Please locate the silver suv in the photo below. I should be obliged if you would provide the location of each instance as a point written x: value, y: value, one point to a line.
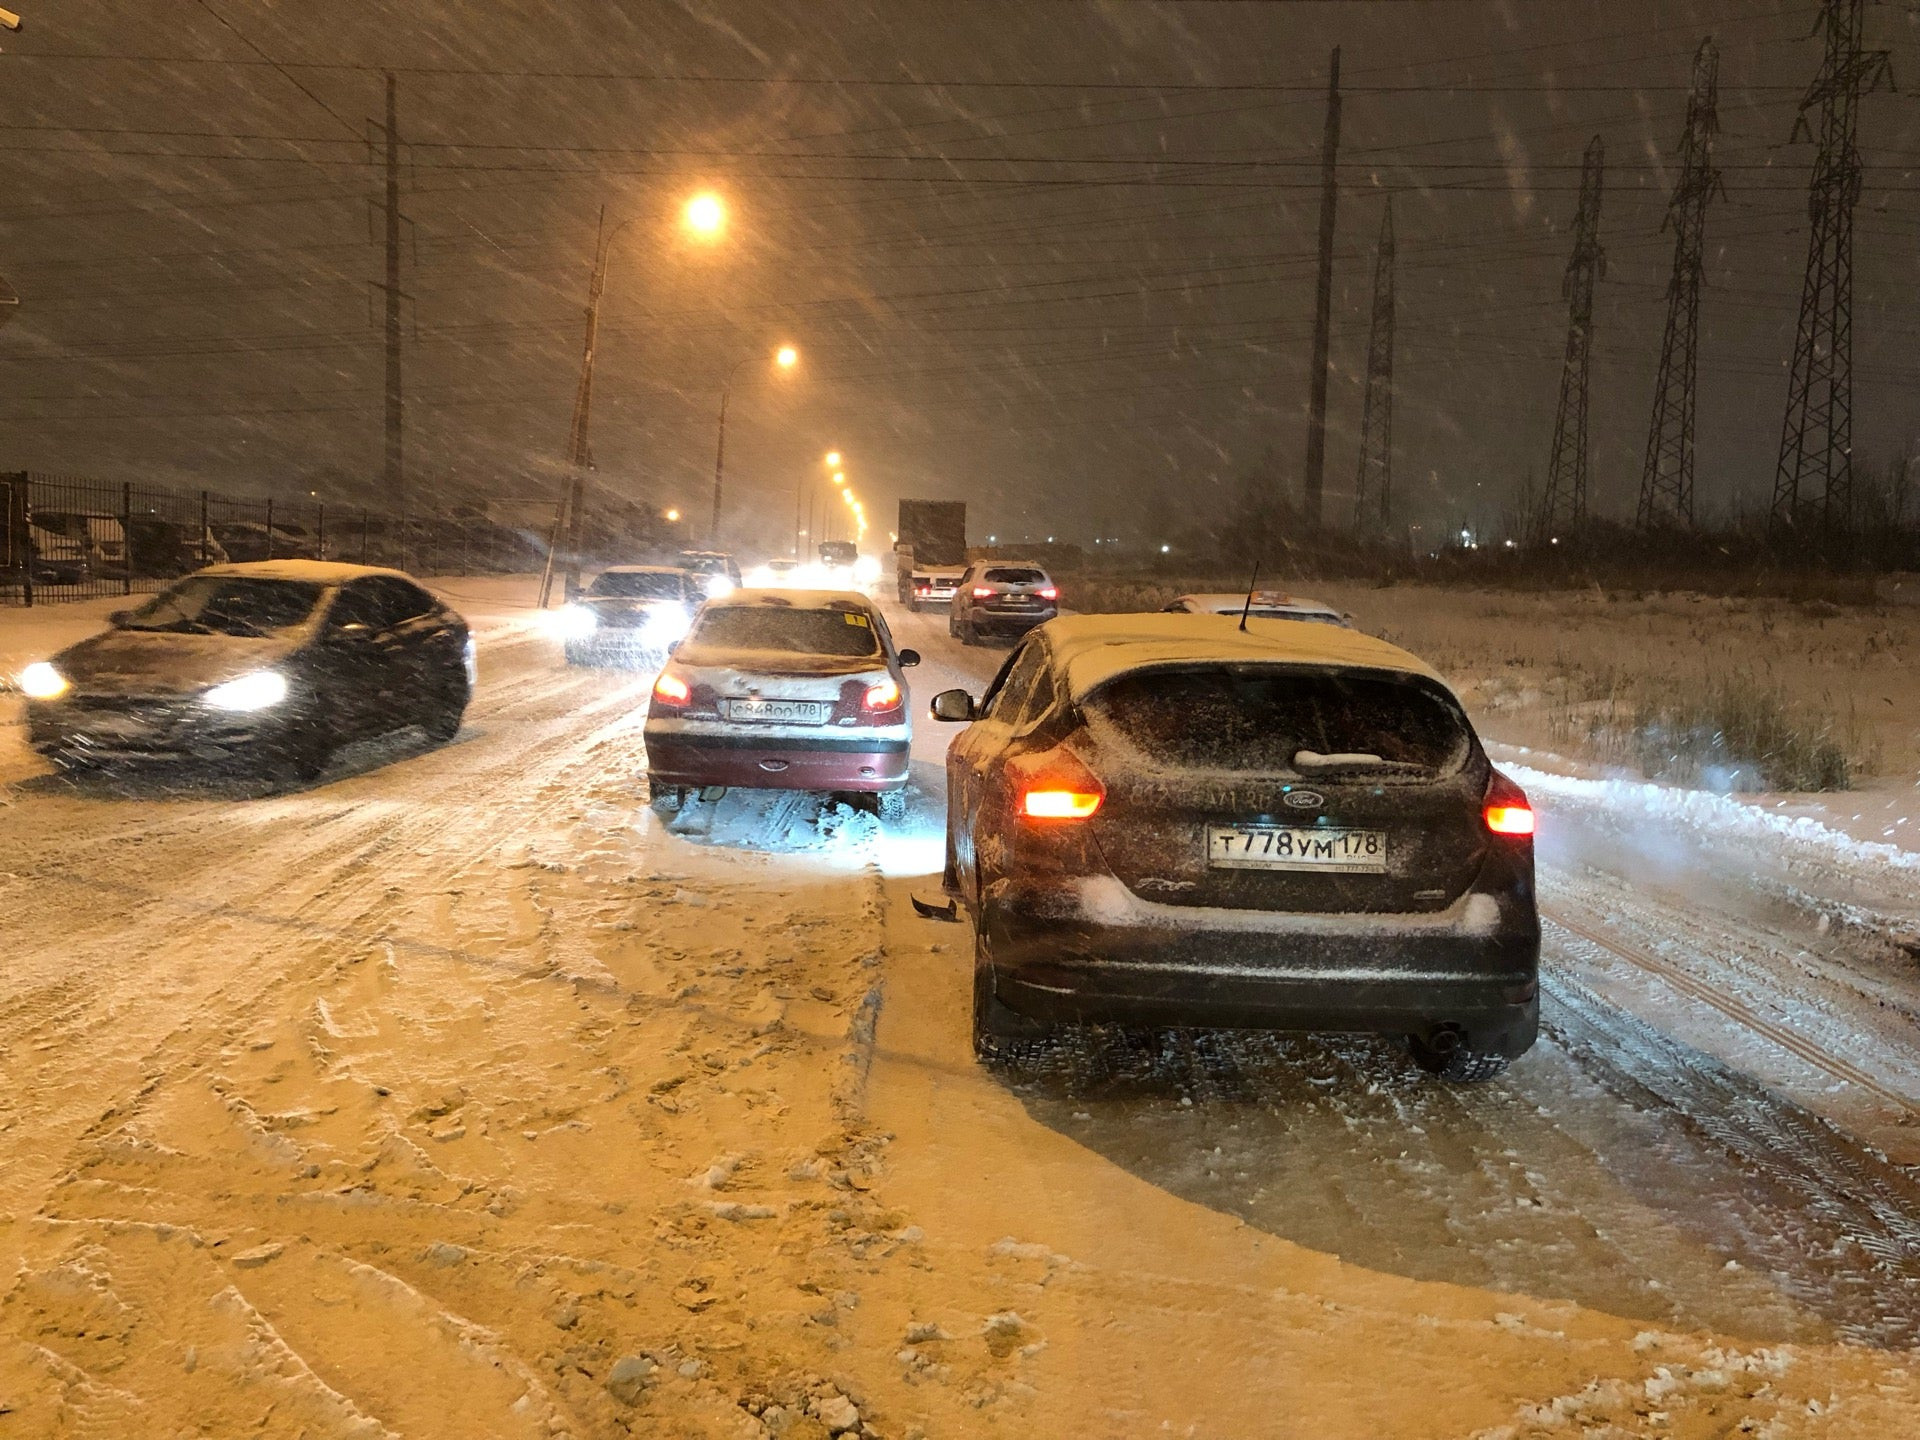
x: 999, y: 597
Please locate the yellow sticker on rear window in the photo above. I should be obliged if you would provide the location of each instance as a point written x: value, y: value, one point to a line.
x: 853, y: 619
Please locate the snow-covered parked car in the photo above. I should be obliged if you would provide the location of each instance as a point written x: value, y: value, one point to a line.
x: 1261, y: 605
x: 783, y: 690
x: 267, y: 667
x: 1167, y: 820
x: 630, y: 614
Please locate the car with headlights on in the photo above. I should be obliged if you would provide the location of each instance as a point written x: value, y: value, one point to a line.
x: 1170, y: 820
x: 267, y: 667
x: 715, y: 571
x: 996, y: 597
x: 629, y: 615
x: 782, y: 690
x: 1261, y: 605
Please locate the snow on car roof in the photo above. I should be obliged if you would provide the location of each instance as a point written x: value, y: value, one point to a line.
x: 1222, y: 603
x: 314, y: 572
x: 645, y: 570
x: 1092, y: 649
x: 792, y: 599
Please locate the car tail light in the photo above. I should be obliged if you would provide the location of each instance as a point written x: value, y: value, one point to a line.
x: 1507, y: 811
x: 670, y: 689
x: 1056, y: 785
x: 981, y: 592
x: 1050, y: 593
x: 882, y: 695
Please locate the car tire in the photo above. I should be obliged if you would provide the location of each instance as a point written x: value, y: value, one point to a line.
x: 891, y: 806
x: 447, y: 710
x: 953, y: 627
x: 1002, y: 1036
x: 665, y: 799
x: 1458, y: 1066
x: 301, y: 759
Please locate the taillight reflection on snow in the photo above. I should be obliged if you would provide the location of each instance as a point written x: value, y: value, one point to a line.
x: 670, y: 689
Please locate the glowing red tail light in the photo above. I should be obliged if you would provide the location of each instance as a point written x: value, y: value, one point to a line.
x: 1507, y: 811
x: 1050, y: 593
x: 882, y: 695
x: 981, y: 592
x: 670, y: 689
x: 1056, y: 786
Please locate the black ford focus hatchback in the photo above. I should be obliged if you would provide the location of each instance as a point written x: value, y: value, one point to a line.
x: 1171, y: 820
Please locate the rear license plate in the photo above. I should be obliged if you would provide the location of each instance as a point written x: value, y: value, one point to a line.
x: 1272, y: 847
x: 780, y: 712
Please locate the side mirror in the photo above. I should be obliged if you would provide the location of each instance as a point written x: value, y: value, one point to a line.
x: 953, y: 705
x: 672, y: 645
x: 120, y: 617
x: 909, y: 658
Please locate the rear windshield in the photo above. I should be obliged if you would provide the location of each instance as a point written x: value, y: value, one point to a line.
x: 1265, y: 719
x: 1011, y: 576
x: 799, y: 632
x: 225, y: 605
x: 639, y: 585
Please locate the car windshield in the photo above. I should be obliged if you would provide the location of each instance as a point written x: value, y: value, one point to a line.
x: 228, y: 605
x: 1271, y: 720
x: 1012, y: 575
x: 842, y: 634
x: 638, y: 585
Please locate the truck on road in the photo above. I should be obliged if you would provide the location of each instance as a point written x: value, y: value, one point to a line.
x: 931, y: 554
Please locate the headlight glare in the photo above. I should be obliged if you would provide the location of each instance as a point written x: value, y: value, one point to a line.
x: 718, y: 585
x: 250, y: 692
x: 40, y: 681
x: 664, y: 624
x: 578, y: 621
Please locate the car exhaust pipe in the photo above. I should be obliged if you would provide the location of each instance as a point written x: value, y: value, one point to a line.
x: 1446, y: 1039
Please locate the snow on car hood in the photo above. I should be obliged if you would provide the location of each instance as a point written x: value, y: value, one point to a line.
x: 164, y: 662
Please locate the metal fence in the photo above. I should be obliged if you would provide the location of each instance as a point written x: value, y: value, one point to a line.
x: 69, y: 538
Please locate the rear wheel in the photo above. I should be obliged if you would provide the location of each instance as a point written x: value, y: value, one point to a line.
x: 300, y: 759
x: 1001, y: 1036
x: 1456, y: 1064
x: 953, y: 626
x: 891, y: 805
x: 665, y: 799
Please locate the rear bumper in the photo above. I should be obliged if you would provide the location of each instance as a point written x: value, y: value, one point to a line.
x: 776, y: 762
x: 992, y: 622
x: 1475, y: 967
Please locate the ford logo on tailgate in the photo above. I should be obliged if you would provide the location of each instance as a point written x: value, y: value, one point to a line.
x: 1305, y: 800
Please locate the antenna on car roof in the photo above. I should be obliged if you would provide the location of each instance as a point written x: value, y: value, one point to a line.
x: 1252, y: 585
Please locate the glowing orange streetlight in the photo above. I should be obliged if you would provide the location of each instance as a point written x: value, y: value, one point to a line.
x: 833, y: 459
x: 705, y: 216
x: 786, y: 357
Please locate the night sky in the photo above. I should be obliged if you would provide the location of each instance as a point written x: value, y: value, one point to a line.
x: 1054, y: 257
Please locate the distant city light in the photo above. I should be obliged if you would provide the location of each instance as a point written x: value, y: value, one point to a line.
x: 787, y: 357
x: 1166, y: 549
x: 833, y: 459
x: 672, y: 516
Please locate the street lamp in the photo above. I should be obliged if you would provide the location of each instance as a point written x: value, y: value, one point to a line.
x: 833, y: 459
x: 705, y: 216
x: 785, y: 358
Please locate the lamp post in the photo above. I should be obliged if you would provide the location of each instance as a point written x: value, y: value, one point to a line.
x: 785, y: 358
x: 704, y: 217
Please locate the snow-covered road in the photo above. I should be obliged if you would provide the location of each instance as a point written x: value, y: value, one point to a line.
x: 459, y: 1095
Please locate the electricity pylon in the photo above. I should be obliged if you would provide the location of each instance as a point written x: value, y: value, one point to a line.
x: 1564, y: 506
x: 1813, y: 485
x: 1373, y: 490
x: 1666, y: 484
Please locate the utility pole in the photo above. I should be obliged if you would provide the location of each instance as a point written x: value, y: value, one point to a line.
x: 579, y: 448
x: 1373, y: 490
x: 1813, y: 485
x: 394, y: 475
x: 1315, y: 480
x: 1666, y: 484
x: 1564, y: 506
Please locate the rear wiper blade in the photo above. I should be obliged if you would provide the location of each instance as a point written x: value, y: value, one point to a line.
x: 1313, y: 762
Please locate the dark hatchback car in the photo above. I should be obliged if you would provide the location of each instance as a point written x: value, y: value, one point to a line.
x: 1166, y: 820
x: 265, y: 667
x: 996, y: 598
